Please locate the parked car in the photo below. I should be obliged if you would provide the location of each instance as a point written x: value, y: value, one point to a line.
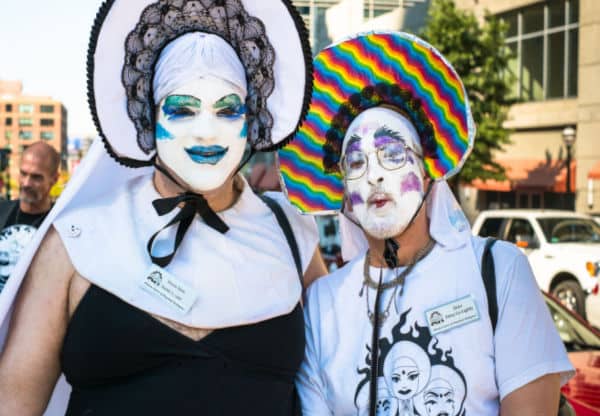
x: 563, y: 248
x: 583, y: 345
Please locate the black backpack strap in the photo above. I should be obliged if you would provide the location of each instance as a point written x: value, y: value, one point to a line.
x: 284, y: 223
x: 488, y: 273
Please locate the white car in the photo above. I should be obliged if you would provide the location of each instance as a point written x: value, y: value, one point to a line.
x: 563, y: 248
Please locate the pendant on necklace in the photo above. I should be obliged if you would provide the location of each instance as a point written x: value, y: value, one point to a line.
x: 382, y: 318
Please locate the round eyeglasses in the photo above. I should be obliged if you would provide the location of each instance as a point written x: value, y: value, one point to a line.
x: 391, y: 156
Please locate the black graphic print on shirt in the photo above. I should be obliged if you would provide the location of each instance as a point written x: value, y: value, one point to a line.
x: 415, y: 377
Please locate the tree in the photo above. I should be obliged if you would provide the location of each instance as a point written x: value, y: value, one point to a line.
x: 479, y: 55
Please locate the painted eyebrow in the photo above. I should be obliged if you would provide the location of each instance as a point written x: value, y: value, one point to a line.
x: 183, y: 101
x: 228, y: 100
x: 385, y: 131
x: 353, y: 143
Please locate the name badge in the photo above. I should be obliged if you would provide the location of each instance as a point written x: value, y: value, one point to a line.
x: 174, y: 292
x: 452, y: 315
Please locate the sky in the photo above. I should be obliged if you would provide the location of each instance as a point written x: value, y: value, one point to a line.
x: 43, y: 43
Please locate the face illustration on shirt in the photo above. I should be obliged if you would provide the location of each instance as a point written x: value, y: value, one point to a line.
x: 405, y: 379
x: 444, y: 394
x: 439, y: 401
x: 201, y: 132
x: 387, y: 404
x: 383, y: 173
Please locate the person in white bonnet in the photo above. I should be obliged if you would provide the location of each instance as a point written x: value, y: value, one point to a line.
x: 403, y: 329
x: 160, y: 283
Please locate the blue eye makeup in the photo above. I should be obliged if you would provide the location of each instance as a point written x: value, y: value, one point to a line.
x: 162, y: 133
x: 244, y: 132
x: 230, y: 107
x: 180, y: 106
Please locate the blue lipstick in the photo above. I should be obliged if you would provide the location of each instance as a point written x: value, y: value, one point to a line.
x: 206, y: 154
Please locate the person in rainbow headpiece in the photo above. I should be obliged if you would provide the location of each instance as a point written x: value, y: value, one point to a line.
x: 389, y: 122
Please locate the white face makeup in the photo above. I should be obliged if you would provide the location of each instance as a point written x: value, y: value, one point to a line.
x: 201, y: 132
x: 384, y: 198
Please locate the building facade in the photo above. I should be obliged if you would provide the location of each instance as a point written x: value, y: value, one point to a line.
x: 331, y: 20
x: 555, y: 72
x: 553, y: 160
x: 25, y: 120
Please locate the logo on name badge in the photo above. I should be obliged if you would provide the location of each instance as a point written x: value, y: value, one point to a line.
x: 452, y: 315
x: 155, y: 278
x: 172, y: 291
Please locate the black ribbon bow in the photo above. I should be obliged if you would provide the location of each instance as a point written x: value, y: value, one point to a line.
x: 193, y: 204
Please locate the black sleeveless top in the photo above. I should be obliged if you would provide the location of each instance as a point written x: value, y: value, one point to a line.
x: 122, y: 361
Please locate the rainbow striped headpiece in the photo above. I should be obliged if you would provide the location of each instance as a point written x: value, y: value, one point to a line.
x: 367, y: 70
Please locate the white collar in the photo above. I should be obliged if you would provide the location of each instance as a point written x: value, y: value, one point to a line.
x: 260, y: 282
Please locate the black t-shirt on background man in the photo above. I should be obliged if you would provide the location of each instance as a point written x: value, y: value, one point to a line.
x: 16, y: 216
x: 16, y: 230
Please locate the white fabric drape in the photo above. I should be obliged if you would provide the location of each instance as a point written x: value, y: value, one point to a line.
x: 194, y: 56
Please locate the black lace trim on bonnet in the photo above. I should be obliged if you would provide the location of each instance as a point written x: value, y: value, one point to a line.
x: 374, y: 96
x: 166, y: 20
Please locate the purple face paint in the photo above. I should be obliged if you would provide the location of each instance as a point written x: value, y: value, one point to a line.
x: 356, y: 199
x: 410, y: 159
x: 383, y: 140
x: 364, y: 128
x: 410, y: 183
x: 353, y: 146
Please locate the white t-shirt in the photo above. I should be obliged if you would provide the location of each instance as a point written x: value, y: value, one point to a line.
x: 464, y: 370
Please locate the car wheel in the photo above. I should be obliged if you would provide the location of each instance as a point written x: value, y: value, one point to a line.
x: 570, y: 294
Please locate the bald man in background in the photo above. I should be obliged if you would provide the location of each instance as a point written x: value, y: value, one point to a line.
x: 20, y: 218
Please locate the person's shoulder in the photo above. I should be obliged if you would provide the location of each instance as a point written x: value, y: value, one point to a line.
x: 304, y: 223
x: 282, y: 201
x: 329, y: 285
x: 503, y: 252
x: 509, y: 262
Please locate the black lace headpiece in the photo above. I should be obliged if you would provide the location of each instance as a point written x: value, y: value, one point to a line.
x: 254, y: 32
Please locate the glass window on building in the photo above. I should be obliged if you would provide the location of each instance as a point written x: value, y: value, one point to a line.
x: 8, y: 134
x: 573, y: 45
x: 544, y: 40
x: 8, y: 108
x: 313, y: 13
x: 8, y: 121
x: 556, y: 14
x: 533, y: 19
x: 47, y: 135
x: 47, y: 108
x: 25, y: 121
x: 25, y: 135
x: 47, y: 122
x: 374, y: 8
x: 26, y: 108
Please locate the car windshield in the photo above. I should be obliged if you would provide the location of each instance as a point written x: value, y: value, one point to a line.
x: 570, y: 230
x: 575, y: 335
